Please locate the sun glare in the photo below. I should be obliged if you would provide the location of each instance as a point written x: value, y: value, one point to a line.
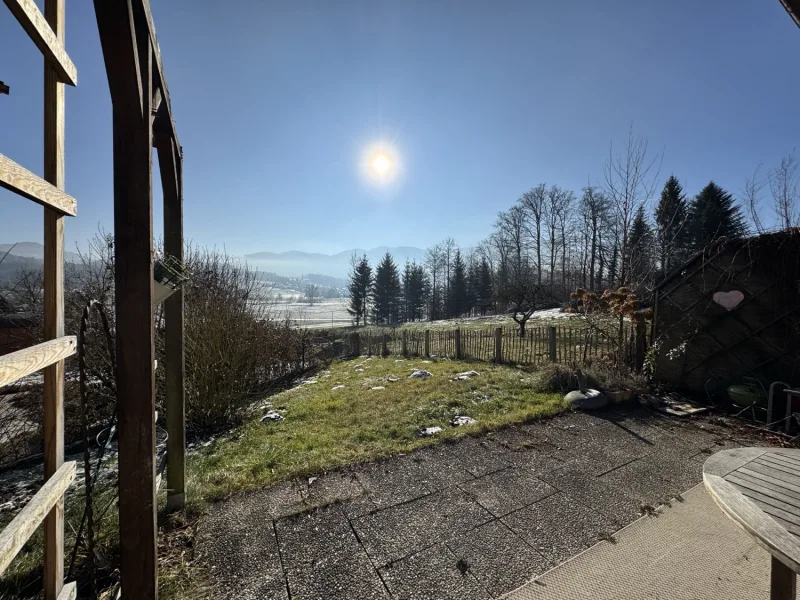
x: 381, y: 164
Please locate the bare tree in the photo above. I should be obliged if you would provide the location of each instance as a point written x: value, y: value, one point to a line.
x: 783, y: 183
x: 752, y: 197
x: 594, y: 207
x: 512, y: 226
x: 533, y: 201
x: 630, y: 180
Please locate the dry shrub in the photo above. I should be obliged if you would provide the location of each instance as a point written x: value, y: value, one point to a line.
x: 599, y: 375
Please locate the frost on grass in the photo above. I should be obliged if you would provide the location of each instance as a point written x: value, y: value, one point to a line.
x: 392, y: 379
x: 429, y: 431
x: 460, y: 420
x: 272, y: 416
x: 378, y: 387
x: 465, y: 375
x: 337, y: 387
x: 419, y: 374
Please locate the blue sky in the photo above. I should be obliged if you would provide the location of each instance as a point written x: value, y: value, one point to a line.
x: 276, y: 102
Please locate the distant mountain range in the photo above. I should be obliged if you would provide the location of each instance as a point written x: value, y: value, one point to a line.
x: 295, y: 263
x: 31, y: 250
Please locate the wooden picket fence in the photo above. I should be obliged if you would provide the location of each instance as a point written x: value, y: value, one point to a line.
x: 557, y: 343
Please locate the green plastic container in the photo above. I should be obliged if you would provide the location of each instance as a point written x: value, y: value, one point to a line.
x: 746, y: 394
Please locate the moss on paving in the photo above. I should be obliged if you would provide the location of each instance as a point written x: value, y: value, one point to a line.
x: 325, y: 428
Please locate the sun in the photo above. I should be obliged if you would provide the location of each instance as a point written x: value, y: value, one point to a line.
x: 381, y: 164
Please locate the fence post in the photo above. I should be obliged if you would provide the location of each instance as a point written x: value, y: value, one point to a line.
x: 427, y: 342
x: 356, y: 344
x: 498, y: 344
x: 641, y: 346
x: 551, y: 342
x: 384, y: 346
x: 405, y: 343
x: 458, y: 344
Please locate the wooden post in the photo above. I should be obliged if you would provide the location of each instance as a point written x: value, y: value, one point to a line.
x: 356, y: 344
x: 783, y: 582
x: 405, y: 343
x: 551, y: 339
x: 498, y: 344
x: 53, y: 283
x: 458, y: 344
x: 169, y: 162
x: 427, y: 342
x: 641, y: 346
x: 384, y: 345
x: 128, y: 56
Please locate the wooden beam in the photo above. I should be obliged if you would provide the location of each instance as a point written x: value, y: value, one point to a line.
x: 53, y: 286
x: 18, y: 364
x: 21, y: 528
x: 128, y: 55
x: 159, y: 78
x: 793, y: 8
x: 42, y: 34
x: 19, y: 180
x: 174, y: 365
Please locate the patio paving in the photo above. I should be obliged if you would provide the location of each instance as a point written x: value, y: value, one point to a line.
x: 465, y: 520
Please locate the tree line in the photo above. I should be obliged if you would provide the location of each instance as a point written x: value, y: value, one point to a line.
x: 621, y: 233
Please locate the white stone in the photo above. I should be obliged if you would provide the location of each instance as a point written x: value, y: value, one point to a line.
x: 430, y: 431
x: 420, y: 373
x: 378, y: 387
x: 462, y: 420
x: 272, y: 415
x: 337, y: 387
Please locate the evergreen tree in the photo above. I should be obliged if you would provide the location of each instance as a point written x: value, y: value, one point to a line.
x: 640, y: 242
x: 386, y: 291
x: 713, y: 214
x: 408, y: 275
x: 671, y: 225
x: 485, y: 291
x: 360, y: 288
x: 473, y: 284
x: 415, y: 288
x: 457, y: 300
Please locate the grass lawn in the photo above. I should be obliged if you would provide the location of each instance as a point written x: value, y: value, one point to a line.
x: 326, y: 428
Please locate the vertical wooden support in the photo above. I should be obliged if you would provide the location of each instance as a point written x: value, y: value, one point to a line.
x: 53, y: 282
x: 458, y: 344
x: 498, y: 344
x: 384, y: 345
x: 427, y: 342
x: 170, y: 164
x: 356, y: 344
x: 405, y: 343
x: 783, y: 582
x: 551, y: 343
x: 128, y: 56
x: 641, y: 346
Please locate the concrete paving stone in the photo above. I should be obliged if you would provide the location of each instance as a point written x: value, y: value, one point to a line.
x: 233, y: 539
x: 431, y: 574
x: 505, y: 491
x: 476, y: 456
x: 275, y: 501
x: 392, y: 481
x: 558, y: 526
x: 535, y: 461
x: 315, y: 537
x: 347, y: 577
x: 400, y: 530
x: 331, y: 487
x: 640, y: 480
x: 437, y: 467
x: 498, y: 558
x: 609, y: 501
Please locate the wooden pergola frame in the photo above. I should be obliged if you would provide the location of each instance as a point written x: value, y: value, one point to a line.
x: 142, y: 120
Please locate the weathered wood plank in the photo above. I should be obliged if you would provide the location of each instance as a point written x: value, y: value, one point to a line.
x: 744, y: 512
x: 768, y: 497
x: 69, y: 592
x: 19, y: 180
x: 778, y: 476
x: 52, y: 46
x: 18, y: 364
x: 743, y: 480
x: 786, y: 459
x: 778, y: 465
x: 725, y: 462
x: 763, y: 477
x: 19, y: 531
x: 53, y: 284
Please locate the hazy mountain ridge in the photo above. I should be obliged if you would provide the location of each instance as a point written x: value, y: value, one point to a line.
x: 295, y: 263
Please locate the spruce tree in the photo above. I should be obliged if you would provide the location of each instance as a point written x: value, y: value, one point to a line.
x: 415, y: 286
x: 485, y: 287
x: 713, y: 214
x: 386, y: 291
x: 640, y: 242
x: 671, y: 226
x: 360, y: 288
x: 457, y: 290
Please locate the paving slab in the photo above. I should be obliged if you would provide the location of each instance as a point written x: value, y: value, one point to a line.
x: 607, y: 500
x: 498, y: 558
x: 438, y: 467
x: 312, y: 538
x: 431, y: 574
x: 559, y: 527
x: 639, y: 480
x: 331, y: 487
x: 387, y: 483
x: 505, y: 491
x: 351, y: 576
x: 398, y: 531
